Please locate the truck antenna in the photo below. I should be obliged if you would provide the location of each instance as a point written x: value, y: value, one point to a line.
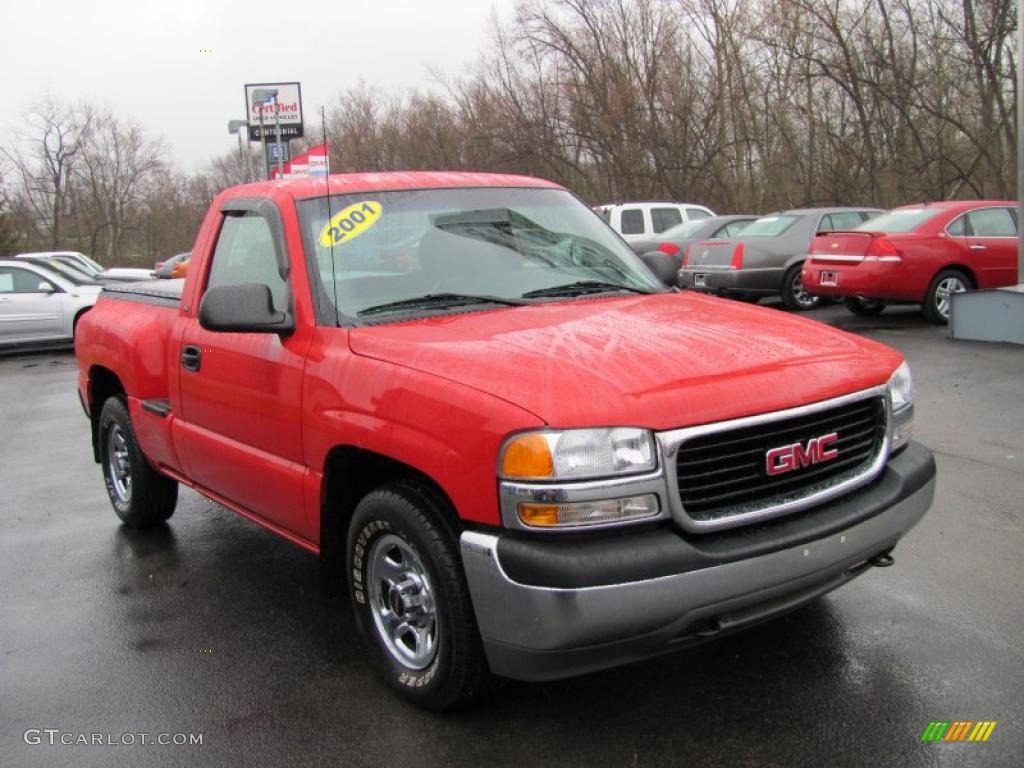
x: 327, y: 178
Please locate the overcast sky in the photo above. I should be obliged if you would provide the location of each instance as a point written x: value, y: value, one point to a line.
x: 143, y: 58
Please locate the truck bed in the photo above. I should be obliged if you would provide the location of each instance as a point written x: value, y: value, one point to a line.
x: 165, y: 293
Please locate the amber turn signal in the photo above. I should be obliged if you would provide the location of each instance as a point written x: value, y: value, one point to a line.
x: 527, y: 456
x: 539, y: 514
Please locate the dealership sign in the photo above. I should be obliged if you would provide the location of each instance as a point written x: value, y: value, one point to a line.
x: 262, y: 118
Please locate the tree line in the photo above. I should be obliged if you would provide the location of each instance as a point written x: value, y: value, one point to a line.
x: 744, y: 107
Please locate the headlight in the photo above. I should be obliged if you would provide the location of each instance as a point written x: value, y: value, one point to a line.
x: 901, y: 394
x: 901, y: 387
x: 577, y: 454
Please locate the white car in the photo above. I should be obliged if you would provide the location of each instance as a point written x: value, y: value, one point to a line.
x: 39, y: 305
x: 641, y: 220
x: 91, y: 267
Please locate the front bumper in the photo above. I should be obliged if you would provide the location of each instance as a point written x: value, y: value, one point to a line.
x: 719, y: 280
x: 548, y: 610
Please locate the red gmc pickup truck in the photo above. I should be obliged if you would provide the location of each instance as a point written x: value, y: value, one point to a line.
x: 523, y: 455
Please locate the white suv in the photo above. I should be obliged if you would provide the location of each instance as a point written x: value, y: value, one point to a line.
x: 639, y: 220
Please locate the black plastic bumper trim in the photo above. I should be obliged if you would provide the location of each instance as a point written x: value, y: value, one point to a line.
x: 635, y: 556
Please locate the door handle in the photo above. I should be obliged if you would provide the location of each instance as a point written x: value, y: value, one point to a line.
x: 978, y: 247
x: 5, y: 298
x: 191, y: 357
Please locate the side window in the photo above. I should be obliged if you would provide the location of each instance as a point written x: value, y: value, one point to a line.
x: 632, y: 221
x: 825, y: 224
x: 245, y: 254
x: 958, y: 226
x: 665, y: 218
x: 14, y: 280
x: 869, y: 215
x: 846, y: 220
x: 697, y: 214
x: 992, y: 222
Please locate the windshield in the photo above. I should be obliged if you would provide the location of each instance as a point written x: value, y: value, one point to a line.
x: 686, y: 229
x: 68, y: 273
x: 902, y: 220
x: 500, y: 244
x: 79, y: 266
x: 769, y: 226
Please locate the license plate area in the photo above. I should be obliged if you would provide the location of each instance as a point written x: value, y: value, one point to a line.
x: 700, y: 280
x: 829, y: 278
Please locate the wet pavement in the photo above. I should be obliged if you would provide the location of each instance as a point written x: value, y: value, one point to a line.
x: 212, y: 626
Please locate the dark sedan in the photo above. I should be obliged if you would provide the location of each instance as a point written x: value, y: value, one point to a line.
x: 767, y: 257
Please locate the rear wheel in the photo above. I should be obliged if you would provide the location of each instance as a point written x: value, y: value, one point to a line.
x: 864, y: 307
x: 938, y: 299
x: 411, y: 600
x: 140, y: 495
x: 794, y: 296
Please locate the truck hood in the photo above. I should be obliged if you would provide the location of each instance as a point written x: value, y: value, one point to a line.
x: 663, y: 361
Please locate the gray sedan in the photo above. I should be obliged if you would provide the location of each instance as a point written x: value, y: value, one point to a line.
x: 678, y: 238
x: 40, y: 305
x: 767, y: 257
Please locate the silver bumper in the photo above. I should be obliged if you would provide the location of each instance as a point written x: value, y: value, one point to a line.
x: 542, y: 633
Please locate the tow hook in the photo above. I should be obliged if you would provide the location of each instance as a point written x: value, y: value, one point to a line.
x: 883, y: 560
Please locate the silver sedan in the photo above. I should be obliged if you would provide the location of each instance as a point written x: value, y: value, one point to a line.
x: 39, y: 305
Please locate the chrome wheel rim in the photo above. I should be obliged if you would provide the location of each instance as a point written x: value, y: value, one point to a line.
x: 119, y: 464
x: 402, y: 602
x: 944, y: 290
x: 800, y: 296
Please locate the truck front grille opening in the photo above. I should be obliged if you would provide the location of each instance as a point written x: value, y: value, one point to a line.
x: 726, y: 473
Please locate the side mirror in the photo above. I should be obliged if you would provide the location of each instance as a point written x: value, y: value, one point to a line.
x: 664, y: 267
x: 46, y: 287
x: 246, y: 308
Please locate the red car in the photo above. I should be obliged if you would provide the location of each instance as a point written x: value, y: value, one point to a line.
x: 918, y: 254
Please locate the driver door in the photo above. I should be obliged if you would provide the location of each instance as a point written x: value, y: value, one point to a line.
x: 241, y: 393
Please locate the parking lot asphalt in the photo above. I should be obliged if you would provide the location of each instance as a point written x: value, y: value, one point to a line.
x: 211, y: 625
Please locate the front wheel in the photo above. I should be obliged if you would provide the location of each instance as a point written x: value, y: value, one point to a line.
x: 411, y: 600
x: 794, y: 296
x: 140, y: 495
x: 938, y: 299
x: 864, y: 307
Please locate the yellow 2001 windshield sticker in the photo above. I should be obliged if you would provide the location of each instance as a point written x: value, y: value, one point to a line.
x: 350, y: 223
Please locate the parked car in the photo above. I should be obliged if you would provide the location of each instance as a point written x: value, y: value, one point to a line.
x: 676, y: 240
x: 918, y: 254
x: 164, y: 269
x: 73, y: 270
x: 73, y: 258
x: 519, y: 452
x: 91, y: 267
x: 644, y: 220
x: 40, y: 305
x: 766, y: 258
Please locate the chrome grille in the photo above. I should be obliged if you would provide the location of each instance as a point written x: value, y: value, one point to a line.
x: 721, y: 474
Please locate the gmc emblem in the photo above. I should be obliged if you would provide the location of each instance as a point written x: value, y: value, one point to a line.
x: 786, y: 458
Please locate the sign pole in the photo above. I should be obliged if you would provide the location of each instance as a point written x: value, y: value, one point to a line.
x: 276, y: 136
x: 263, y: 141
x: 1020, y: 142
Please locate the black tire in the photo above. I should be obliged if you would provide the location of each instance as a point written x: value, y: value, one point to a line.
x: 864, y: 307
x: 397, y: 538
x: 936, y: 301
x: 794, y: 296
x: 140, y: 495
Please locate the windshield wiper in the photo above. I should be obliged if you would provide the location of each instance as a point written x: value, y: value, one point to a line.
x: 582, y: 287
x: 439, y: 301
